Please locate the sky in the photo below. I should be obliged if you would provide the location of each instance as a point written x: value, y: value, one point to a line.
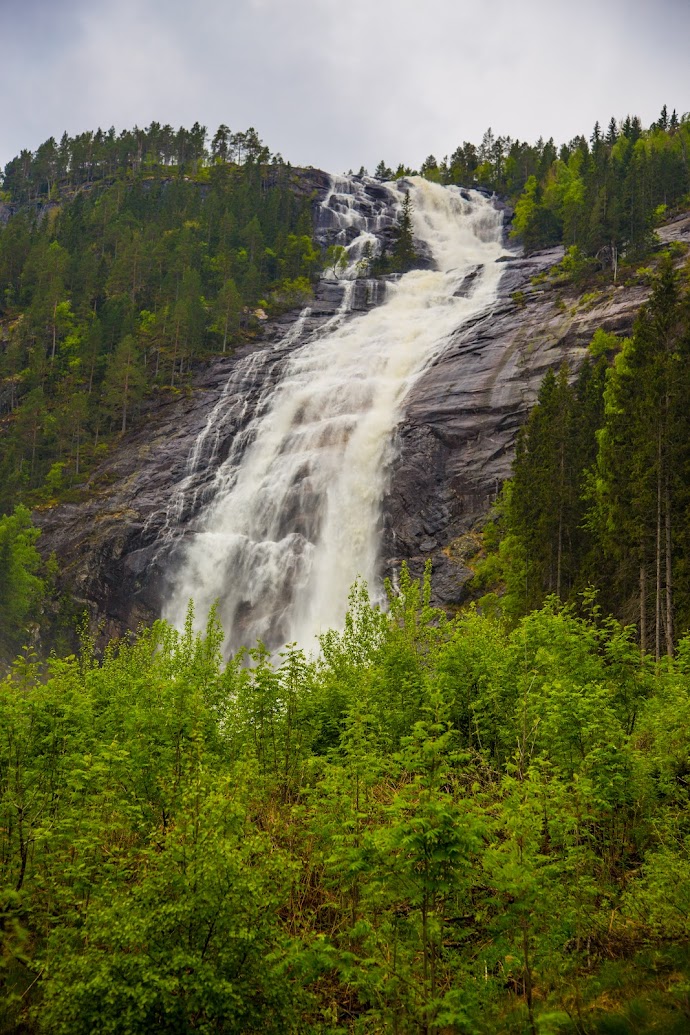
x: 340, y: 83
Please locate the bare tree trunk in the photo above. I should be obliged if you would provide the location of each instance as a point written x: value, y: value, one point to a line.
x: 174, y: 359
x: 124, y: 402
x: 657, y: 602
x: 669, y: 574
x: 559, y: 556
x: 527, y: 977
x: 52, y: 354
x: 33, y: 453
x: 643, y: 607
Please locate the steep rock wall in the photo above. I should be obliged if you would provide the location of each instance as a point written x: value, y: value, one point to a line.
x: 454, y: 446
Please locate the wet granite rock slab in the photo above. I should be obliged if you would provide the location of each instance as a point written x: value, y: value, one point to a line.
x: 453, y: 449
x: 456, y: 444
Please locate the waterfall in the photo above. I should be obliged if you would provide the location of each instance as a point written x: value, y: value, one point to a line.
x: 291, y: 516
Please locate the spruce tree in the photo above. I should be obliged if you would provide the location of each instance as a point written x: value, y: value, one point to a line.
x: 124, y: 381
x: 543, y: 497
x: 639, y: 462
x: 403, y: 248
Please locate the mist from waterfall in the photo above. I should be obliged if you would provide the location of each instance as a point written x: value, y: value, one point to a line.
x: 292, y: 517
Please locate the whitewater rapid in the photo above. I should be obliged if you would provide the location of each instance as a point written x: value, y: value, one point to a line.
x: 293, y: 516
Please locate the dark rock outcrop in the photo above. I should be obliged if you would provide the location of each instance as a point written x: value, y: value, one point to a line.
x: 678, y: 229
x: 456, y: 444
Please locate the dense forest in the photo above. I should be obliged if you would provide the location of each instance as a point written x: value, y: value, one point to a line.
x: 127, y: 258
x: 470, y: 824
x: 110, y: 293
x: 124, y: 261
x: 600, y: 493
x: 601, y: 197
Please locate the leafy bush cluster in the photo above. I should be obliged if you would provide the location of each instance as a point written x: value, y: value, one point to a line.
x: 439, y: 826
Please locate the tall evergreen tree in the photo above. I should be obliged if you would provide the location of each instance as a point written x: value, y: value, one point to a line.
x: 645, y: 426
x: 403, y: 252
x: 124, y: 380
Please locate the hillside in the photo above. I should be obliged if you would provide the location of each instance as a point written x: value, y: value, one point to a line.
x: 223, y: 373
x: 455, y: 448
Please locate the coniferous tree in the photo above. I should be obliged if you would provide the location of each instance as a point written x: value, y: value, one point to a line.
x: 227, y: 311
x: 638, y: 458
x: 544, y: 490
x: 403, y: 253
x: 124, y: 379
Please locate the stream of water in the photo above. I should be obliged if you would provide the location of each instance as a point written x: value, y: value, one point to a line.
x: 292, y: 515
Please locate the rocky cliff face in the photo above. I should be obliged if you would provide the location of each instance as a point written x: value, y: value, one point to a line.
x: 454, y: 445
x: 113, y: 547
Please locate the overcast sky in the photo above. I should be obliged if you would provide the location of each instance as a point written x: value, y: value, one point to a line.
x: 340, y: 83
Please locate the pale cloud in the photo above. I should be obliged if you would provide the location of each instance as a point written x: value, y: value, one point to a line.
x: 338, y: 83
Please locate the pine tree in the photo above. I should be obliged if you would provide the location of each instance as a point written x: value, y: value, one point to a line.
x: 403, y: 253
x: 638, y: 461
x: 542, y: 509
x: 227, y: 311
x: 124, y: 380
x: 220, y: 143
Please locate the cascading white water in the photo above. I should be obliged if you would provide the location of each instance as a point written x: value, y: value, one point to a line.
x: 293, y: 519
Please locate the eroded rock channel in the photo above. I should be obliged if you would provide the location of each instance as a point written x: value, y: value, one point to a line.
x: 452, y: 446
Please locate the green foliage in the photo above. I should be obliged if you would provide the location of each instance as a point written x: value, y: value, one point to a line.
x: 403, y: 246
x: 599, y: 493
x: 187, y: 947
x: 640, y: 493
x: 145, y: 269
x: 533, y: 223
x: 574, y: 266
x: 469, y: 825
x: 402, y: 255
x: 437, y: 826
x: 543, y: 547
x: 21, y: 588
x: 604, y: 343
x: 336, y: 259
x: 602, y: 196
